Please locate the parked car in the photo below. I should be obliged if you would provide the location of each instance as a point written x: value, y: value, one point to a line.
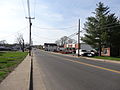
x: 82, y: 52
x: 92, y: 53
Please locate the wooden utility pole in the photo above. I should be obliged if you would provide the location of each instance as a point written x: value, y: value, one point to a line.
x: 30, y: 24
x: 23, y: 45
x: 79, y: 38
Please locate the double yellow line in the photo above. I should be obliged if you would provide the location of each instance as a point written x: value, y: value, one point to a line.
x: 90, y: 65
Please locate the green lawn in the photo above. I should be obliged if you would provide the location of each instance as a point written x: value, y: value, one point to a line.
x: 8, y: 61
x: 108, y: 58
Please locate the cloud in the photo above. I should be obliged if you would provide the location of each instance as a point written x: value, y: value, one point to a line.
x: 48, y: 14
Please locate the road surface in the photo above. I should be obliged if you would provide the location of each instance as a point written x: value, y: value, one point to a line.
x: 58, y: 72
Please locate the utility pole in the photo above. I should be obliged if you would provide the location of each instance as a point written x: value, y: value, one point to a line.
x: 23, y: 45
x: 30, y: 24
x: 79, y: 38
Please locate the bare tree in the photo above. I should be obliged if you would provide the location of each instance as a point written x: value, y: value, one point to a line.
x: 58, y: 42
x: 73, y: 41
x: 20, y: 41
x: 3, y: 42
x: 65, y: 40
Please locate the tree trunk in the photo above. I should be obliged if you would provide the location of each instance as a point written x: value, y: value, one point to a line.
x: 100, y: 49
x: 23, y: 46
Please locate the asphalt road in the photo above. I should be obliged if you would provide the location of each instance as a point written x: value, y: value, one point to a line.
x: 70, y: 73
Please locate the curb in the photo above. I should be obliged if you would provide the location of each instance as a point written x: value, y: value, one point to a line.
x: 93, y: 59
x: 31, y: 74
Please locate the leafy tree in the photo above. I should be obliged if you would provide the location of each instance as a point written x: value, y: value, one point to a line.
x: 112, y: 31
x: 101, y: 28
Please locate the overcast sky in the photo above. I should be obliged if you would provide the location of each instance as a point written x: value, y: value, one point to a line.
x: 53, y: 18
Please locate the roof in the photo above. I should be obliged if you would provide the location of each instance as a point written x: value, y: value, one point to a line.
x: 51, y: 44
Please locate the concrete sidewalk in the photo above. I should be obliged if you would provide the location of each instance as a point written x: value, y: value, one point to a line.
x: 19, y: 78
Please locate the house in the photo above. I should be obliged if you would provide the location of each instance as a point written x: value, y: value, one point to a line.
x: 74, y: 47
x: 105, y: 52
x: 83, y: 46
x: 114, y: 52
x: 50, y: 47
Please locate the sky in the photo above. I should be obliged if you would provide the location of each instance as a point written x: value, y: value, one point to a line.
x: 53, y: 18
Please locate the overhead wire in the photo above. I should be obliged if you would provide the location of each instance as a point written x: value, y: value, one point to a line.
x: 36, y: 35
x: 13, y: 33
x: 55, y: 28
x: 45, y: 28
x: 74, y: 34
x: 23, y: 5
x: 34, y: 7
x: 111, y: 27
x: 111, y: 24
x: 107, y: 26
x: 28, y: 8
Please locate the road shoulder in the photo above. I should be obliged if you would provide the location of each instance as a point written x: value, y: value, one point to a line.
x: 88, y: 58
x: 38, y: 83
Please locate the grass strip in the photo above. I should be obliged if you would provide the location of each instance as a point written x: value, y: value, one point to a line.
x: 10, y: 60
x: 107, y: 58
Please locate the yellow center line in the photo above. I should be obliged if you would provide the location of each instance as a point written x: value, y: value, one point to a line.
x: 90, y: 65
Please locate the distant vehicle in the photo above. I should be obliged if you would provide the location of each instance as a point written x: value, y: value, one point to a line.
x: 82, y: 52
x: 88, y: 53
x: 92, y: 53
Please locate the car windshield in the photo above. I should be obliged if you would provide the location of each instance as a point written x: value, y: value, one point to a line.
x: 83, y: 50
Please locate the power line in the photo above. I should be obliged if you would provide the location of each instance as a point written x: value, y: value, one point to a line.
x: 117, y: 25
x: 23, y: 5
x: 108, y: 27
x: 28, y: 4
x: 111, y: 24
x: 42, y: 37
x: 73, y: 34
x: 34, y: 7
x: 14, y: 33
x: 55, y: 28
x: 36, y: 35
x: 111, y: 27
